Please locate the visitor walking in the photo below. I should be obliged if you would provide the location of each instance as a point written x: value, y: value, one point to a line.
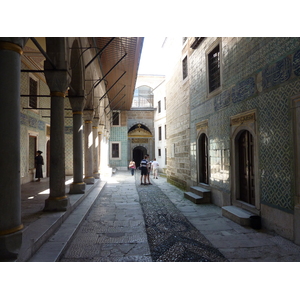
x: 132, y: 167
x: 155, y: 166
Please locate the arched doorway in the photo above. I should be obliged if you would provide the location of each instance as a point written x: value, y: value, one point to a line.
x: 245, y: 167
x: 203, y: 158
x: 138, y: 154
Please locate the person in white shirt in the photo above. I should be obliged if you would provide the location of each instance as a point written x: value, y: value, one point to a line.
x: 155, y: 166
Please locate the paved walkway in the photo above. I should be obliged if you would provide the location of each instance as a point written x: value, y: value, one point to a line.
x: 120, y: 220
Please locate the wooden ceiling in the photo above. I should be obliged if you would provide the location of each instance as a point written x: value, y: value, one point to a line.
x: 119, y: 64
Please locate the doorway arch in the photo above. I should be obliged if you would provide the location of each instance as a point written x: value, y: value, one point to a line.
x: 203, y: 158
x: 138, y: 154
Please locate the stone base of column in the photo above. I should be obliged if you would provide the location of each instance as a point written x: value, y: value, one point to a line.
x: 96, y: 175
x: 57, y: 204
x: 10, y: 245
x: 89, y: 180
x: 77, y: 188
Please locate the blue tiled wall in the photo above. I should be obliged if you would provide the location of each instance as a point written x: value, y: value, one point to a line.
x: 261, y: 74
x: 119, y: 134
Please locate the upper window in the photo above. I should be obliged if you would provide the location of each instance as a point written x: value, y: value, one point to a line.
x: 159, y: 106
x: 214, y: 74
x: 159, y: 133
x: 184, y: 68
x: 116, y: 118
x: 33, y: 91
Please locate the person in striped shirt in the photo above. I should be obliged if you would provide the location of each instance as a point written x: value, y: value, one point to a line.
x: 144, y: 170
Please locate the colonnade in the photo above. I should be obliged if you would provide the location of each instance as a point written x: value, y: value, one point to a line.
x: 58, y: 80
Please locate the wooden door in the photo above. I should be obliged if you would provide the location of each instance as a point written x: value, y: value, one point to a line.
x: 246, y: 168
x: 203, y: 158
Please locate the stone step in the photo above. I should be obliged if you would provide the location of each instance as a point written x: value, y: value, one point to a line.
x: 237, y: 215
x: 201, y: 192
x: 195, y: 198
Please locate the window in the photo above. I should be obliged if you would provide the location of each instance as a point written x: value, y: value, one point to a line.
x: 214, y: 74
x: 159, y: 133
x: 184, y: 68
x: 115, y: 150
x: 165, y: 101
x: 165, y: 131
x: 116, y: 118
x: 159, y: 152
x: 159, y: 106
x: 33, y: 91
x: 165, y: 156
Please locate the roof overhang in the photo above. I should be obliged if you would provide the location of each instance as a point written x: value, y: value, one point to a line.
x: 119, y: 64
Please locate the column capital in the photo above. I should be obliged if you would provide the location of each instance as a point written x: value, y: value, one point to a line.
x: 13, y: 43
x: 77, y: 103
x: 88, y: 114
x: 96, y: 122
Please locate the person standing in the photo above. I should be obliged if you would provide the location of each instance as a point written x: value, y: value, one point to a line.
x: 144, y: 170
x: 148, y: 169
x: 39, y: 161
x: 132, y: 167
x: 155, y: 166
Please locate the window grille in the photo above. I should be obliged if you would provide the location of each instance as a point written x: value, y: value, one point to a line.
x: 214, y: 69
x: 115, y: 153
x: 33, y: 93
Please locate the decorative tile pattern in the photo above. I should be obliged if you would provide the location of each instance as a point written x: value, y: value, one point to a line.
x: 277, y: 60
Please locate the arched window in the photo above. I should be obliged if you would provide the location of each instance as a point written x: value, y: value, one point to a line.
x: 143, y: 97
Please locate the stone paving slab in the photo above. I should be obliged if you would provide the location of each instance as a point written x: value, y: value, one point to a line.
x: 115, y: 226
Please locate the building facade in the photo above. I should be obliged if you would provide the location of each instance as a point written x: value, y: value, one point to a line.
x: 236, y: 106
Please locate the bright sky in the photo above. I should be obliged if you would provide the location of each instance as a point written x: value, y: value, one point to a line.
x: 152, y: 59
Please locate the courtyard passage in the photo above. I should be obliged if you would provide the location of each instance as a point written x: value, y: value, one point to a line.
x: 130, y: 222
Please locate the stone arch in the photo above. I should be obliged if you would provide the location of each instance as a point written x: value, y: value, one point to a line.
x: 138, y: 154
x: 139, y: 127
x: 76, y: 70
x: 240, y: 127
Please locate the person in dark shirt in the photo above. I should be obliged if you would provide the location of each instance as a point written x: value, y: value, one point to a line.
x: 39, y: 161
x: 144, y: 170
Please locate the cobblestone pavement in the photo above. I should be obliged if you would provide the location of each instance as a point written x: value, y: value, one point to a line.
x: 171, y: 236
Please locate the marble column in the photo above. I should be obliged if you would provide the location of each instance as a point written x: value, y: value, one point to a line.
x: 96, y: 173
x: 58, y: 81
x: 78, y: 186
x: 10, y: 183
x: 88, y: 147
